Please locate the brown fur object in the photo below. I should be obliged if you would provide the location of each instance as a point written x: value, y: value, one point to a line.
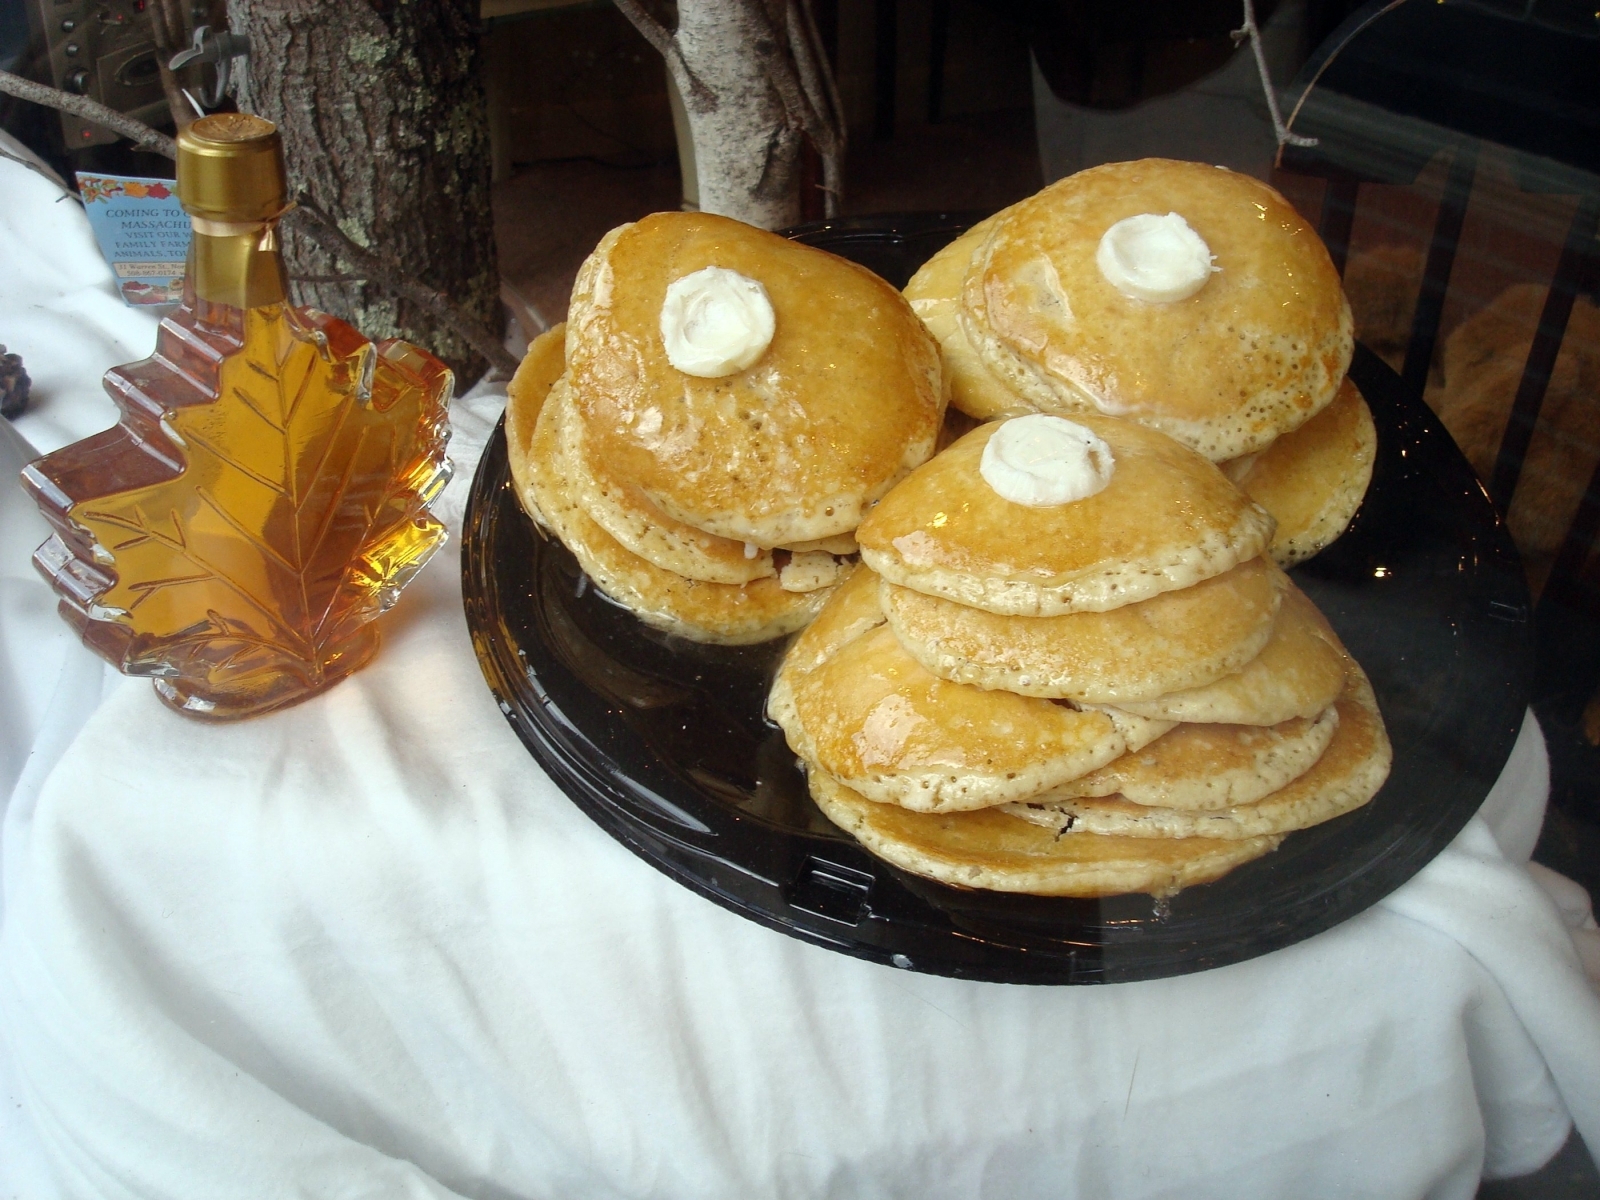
x: 1482, y: 367
x: 1474, y: 384
x: 1382, y: 285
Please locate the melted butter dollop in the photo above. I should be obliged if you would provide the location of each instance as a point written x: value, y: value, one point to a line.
x: 715, y: 322
x: 1042, y: 461
x: 1160, y: 259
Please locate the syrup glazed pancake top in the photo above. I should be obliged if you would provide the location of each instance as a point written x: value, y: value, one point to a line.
x: 623, y: 511
x: 844, y: 400
x: 726, y: 614
x: 850, y: 699
x: 1257, y: 349
x: 1166, y: 519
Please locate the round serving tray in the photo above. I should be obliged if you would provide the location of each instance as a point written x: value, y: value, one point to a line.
x: 664, y: 744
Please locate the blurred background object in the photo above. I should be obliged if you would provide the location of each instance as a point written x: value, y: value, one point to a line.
x: 1459, y: 168
x: 14, y: 385
x: 949, y: 105
x: 1158, y: 81
x: 113, y: 51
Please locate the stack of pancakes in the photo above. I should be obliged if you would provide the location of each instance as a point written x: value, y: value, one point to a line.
x: 720, y: 509
x: 1249, y: 370
x: 1120, y: 693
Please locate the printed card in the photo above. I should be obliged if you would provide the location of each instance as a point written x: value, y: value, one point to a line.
x: 142, y: 231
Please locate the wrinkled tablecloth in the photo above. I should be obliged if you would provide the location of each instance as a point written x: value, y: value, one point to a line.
x: 364, y: 947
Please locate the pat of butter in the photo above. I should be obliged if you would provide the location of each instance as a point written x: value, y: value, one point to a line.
x: 1160, y: 259
x: 715, y: 322
x: 1042, y: 461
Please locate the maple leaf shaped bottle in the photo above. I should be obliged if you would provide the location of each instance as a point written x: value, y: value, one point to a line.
x: 264, y: 494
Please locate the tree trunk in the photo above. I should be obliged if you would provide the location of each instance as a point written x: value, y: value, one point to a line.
x: 385, y: 127
x: 754, y: 85
x: 747, y: 155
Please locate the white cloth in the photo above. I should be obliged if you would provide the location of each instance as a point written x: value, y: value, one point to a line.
x: 363, y: 947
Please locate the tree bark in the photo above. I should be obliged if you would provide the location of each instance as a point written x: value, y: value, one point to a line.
x: 385, y: 128
x: 747, y: 156
x: 755, y: 86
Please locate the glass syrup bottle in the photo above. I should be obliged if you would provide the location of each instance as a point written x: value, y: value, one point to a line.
x: 264, y: 493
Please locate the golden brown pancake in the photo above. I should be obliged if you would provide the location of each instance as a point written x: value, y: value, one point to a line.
x: 1177, y: 640
x: 1138, y: 732
x: 541, y: 366
x: 700, y: 611
x: 1347, y: 775
x: 841, y: 545
x: 873, y: 718
x: 1166, y: 520
x: 1203, y: 768
x: 627, y: 514
x: 850, y: 611
x: 844, y: 402
x: 991, y: 849
x: 848, y: 696
x: 1299, y: 672
x: 1257, y: 351
x: 1312, y: 479
x: 935, y: 296
x: 812, y: 571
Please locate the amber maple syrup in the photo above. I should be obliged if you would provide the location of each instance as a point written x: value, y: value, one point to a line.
x: 263, y: 495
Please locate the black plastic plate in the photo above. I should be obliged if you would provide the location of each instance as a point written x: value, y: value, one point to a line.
x: 664, y: 744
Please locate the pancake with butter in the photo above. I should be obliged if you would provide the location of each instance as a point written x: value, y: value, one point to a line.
x: 1166, y: 520
x: 844, y: 400
x: 994, y: 850
x: 1348, y: 774
x: 1255, y: 351
x: 541, y: 366
x: 1299, y: 672
x: 1177, y: 640
x: 703, y: 612
x: 935, y: 296
x: 1313, y: 478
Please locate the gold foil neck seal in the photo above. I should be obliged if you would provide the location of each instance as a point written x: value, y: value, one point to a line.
x: 230, y: 168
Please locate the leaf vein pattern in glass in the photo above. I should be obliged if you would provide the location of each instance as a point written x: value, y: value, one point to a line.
x: 293, y: 509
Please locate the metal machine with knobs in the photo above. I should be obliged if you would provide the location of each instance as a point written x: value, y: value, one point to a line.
x: 102, y: 49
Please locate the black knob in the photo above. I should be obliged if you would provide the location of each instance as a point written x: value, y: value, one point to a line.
x: 72, y: 47
x: 68, y: 25
x: 78, y: 81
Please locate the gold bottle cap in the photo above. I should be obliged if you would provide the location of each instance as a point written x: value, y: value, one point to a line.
x: 230, y: 168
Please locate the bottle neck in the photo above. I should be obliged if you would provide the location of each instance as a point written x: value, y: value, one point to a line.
x: 237, y: 264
